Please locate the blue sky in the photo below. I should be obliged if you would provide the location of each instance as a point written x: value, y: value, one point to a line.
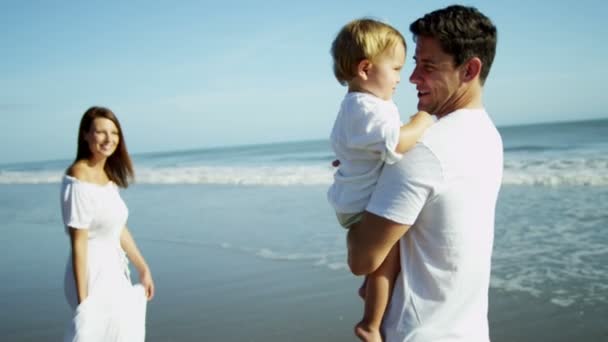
x: 194, y: 74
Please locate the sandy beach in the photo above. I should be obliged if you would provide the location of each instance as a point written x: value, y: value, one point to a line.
x: 240, y: 273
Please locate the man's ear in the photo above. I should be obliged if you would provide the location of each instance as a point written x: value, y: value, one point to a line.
x: 472, y: 69
x: 363, y: 68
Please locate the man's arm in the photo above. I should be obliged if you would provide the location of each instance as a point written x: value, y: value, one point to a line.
x: 400, y: 195
x: 369, y: 242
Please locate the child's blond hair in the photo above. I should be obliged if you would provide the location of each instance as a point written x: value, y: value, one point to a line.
x: 358, y: 40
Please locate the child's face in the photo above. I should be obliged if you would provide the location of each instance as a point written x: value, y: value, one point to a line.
x: 385, y: 72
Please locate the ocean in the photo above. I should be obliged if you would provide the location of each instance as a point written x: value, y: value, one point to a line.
x: 244, y: 246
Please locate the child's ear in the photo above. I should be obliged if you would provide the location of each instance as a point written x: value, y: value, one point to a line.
x: 363, y: 68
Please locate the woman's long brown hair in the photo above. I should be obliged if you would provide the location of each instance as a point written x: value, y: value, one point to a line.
x: 119, y: 167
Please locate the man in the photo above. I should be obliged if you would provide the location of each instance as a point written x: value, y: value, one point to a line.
x: 439, y: 201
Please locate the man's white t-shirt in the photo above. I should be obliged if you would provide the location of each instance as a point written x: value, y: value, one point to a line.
x: 446, y: 188
x: 364, y: 137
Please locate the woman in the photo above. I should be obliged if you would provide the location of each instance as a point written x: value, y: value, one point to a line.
x: 107, y: 307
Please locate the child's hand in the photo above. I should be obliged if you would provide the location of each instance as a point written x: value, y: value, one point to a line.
x: 423, y: 117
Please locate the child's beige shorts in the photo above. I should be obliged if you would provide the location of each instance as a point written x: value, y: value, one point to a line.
x: 347, y: 220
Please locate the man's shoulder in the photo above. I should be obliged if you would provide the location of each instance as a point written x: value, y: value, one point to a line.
x: 458, y: 125
x: 421, y: 161
x: 462, y: 138
x: 439, y: 134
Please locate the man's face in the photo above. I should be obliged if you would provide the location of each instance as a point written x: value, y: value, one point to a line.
x: 436, y: 78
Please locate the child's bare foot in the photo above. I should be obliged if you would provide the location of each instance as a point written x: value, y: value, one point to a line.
x: 367, y: 334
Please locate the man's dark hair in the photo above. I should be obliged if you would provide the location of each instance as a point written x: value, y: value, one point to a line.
x: 462, y: 32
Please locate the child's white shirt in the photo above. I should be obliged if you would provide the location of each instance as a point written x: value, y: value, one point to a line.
x: 364, y: 137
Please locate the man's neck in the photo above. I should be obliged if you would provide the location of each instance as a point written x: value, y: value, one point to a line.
x: 470, y: 98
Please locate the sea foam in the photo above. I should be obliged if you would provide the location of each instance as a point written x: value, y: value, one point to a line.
x: 576, y: 172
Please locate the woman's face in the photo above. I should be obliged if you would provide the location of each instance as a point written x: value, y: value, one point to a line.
x: 103, y: 137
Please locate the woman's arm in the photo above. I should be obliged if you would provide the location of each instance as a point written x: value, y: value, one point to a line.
x: 79, y: 238
x: 128, y: 245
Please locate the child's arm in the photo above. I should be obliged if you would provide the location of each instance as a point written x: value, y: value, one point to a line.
x: 413, y: 130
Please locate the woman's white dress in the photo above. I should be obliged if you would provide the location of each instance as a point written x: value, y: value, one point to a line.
x: 115, y: 310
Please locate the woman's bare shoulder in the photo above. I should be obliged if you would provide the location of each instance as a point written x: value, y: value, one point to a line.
x: 79, y: 170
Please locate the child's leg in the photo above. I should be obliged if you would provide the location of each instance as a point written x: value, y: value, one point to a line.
x: 363, y: 288
x: 378, y: 290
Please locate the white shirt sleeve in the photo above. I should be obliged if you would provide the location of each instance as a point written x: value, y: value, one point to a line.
x: 405, y: 187
x: 76, y: 205
x: 370, y: 130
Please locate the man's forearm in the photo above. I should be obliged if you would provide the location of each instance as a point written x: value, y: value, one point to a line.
x: 370, y: 241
